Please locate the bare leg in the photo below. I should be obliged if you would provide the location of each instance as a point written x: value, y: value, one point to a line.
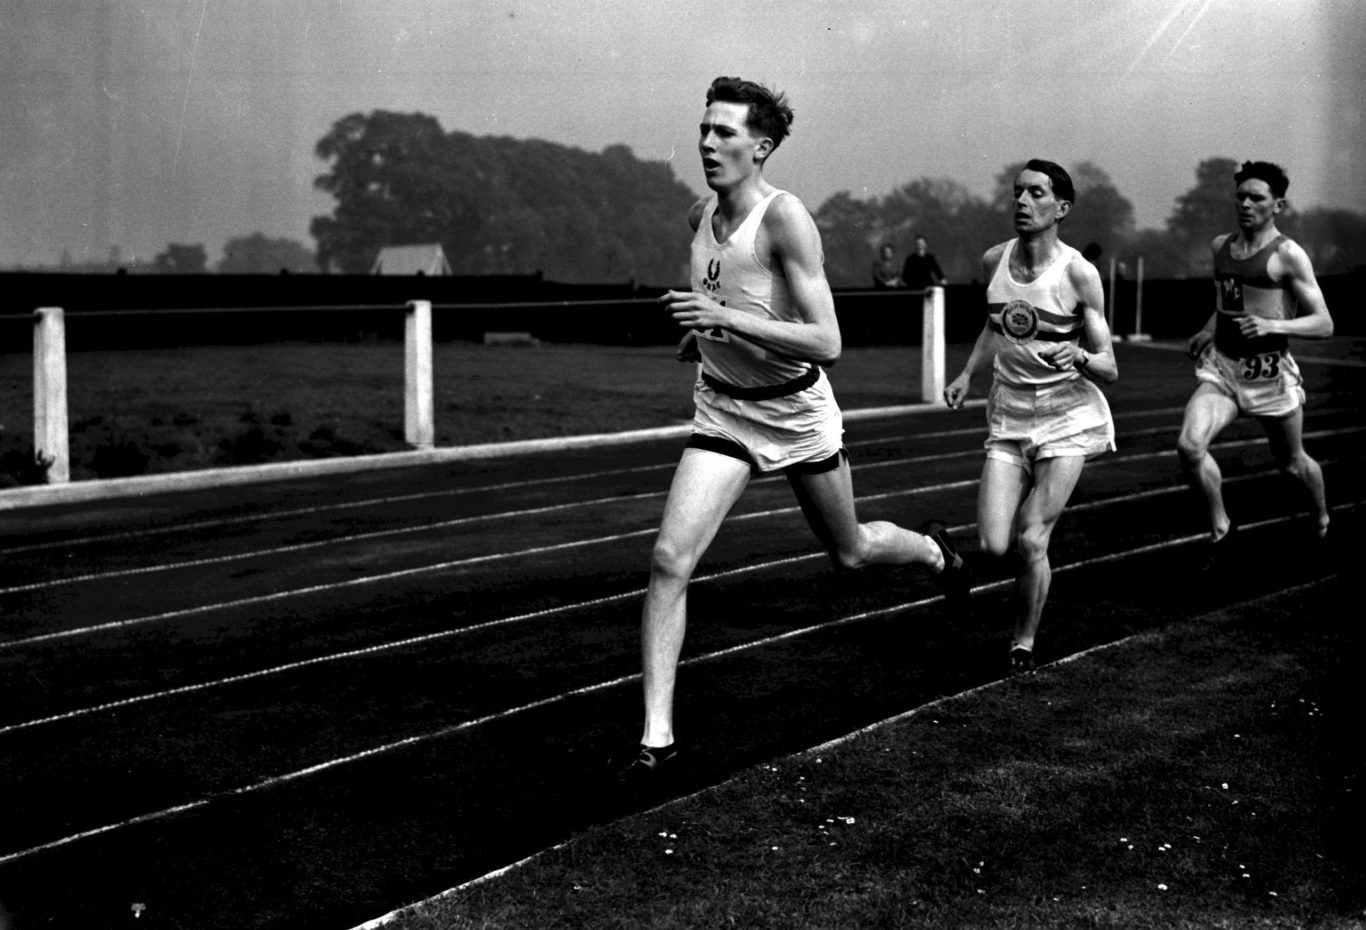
x: 1285, y: 435
x: 1054, y: 481
x: 705, y: 487
x: 1004, y: 485
x: 827, y: 500
x: 1207, y: 413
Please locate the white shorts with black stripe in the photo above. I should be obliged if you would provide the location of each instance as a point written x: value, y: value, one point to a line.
x: 776, y: 433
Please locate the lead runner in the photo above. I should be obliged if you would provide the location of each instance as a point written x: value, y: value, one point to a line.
x: 761, y: 318
x: 1049, y: 346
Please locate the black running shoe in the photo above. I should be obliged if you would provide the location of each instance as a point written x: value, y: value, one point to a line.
x: 1216, y: 553
x: 649, y: 764
x: 953, y: 580
x: 1021, y: 661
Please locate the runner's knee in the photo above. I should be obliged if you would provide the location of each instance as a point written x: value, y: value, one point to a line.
x: 997, y: 547
x: 669, y: 561
x: 1190, y: 450
x: 1033, y: 542
x: 1299, y: 466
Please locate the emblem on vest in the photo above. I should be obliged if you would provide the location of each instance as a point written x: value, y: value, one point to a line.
x: 1019, y: 321
x: 712, y: 282
x: 1231, y: 290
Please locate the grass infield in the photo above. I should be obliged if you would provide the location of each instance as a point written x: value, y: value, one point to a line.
x: 154, y: 411
x: 1206, y: 775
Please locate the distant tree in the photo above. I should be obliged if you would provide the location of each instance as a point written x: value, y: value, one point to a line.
x: 850, y: 236
x: 498, y: 205
x: 1103, y: 215
x: 955, y: 222
x: 1003, y: 194
x: 1204, y: 211
x: 387, y: 173
x: 1163, y: 256
x: 1334, y: 239
x: 259, y: 254
x: 181, y: 259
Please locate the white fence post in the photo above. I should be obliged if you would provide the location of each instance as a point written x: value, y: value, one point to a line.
x: 49, y: 393
x: 1139, y: 335
x: 932, y: 346
x: 418, y: 422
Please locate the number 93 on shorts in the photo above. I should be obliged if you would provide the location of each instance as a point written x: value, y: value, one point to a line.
x: 1265, y: 384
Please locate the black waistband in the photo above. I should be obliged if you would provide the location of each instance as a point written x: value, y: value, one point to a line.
x: 764, y: 391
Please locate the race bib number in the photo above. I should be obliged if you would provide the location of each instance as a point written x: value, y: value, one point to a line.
x: 1266, y: 367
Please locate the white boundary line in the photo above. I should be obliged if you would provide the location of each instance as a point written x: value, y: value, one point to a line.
x: 264, y: 516
x: 103, y: 489
x: 672, y: 463
x: 385, y: 919
x: 502, y: 621
x: 460, y: 563
x: 409, y: 741
x: 550, y: 508
x: 1180, y: 346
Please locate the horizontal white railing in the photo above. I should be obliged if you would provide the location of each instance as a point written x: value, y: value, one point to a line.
x: 51, y: 429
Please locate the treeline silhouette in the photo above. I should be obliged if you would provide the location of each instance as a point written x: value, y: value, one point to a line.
x: 506, y: 206
x: 498, y: 205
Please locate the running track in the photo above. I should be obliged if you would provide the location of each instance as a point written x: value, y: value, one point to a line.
x: 305, y: 704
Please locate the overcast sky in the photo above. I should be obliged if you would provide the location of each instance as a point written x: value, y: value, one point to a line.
x: 135, y: 123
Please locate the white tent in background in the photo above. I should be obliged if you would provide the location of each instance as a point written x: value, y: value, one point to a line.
x: 427, y: 259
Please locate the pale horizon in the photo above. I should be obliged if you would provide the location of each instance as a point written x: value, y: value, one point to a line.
x: 194, y: 122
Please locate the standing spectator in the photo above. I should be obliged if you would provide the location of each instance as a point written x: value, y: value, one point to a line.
x: 921, y: 270
x: 884, y: 270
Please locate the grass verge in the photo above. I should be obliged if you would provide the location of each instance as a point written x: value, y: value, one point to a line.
x: 1207, y: 775
x: 153, y: 411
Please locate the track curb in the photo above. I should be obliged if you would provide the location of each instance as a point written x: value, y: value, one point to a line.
x: 13, y: 499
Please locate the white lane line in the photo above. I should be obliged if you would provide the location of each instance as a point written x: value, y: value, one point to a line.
x: 410, y: 909
x: 219, y: 522
x: 1301, y: 359
x: 552, y: 508
x: 276, y: 780
x: 424, y: 527
x: 540, y: 550
x: 396, y: 644
x: 321, y: 543
x: 562, y: 609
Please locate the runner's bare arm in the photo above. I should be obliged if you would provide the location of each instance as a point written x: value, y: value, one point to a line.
x: 1313, y: 321
x: 984, y: 349
x: 1094, y: 355
x: 789, y: 238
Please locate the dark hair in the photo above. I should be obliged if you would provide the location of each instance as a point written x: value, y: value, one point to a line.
x: 769, y: 112
x: 1062, y: 181
x: 1274, y: 176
